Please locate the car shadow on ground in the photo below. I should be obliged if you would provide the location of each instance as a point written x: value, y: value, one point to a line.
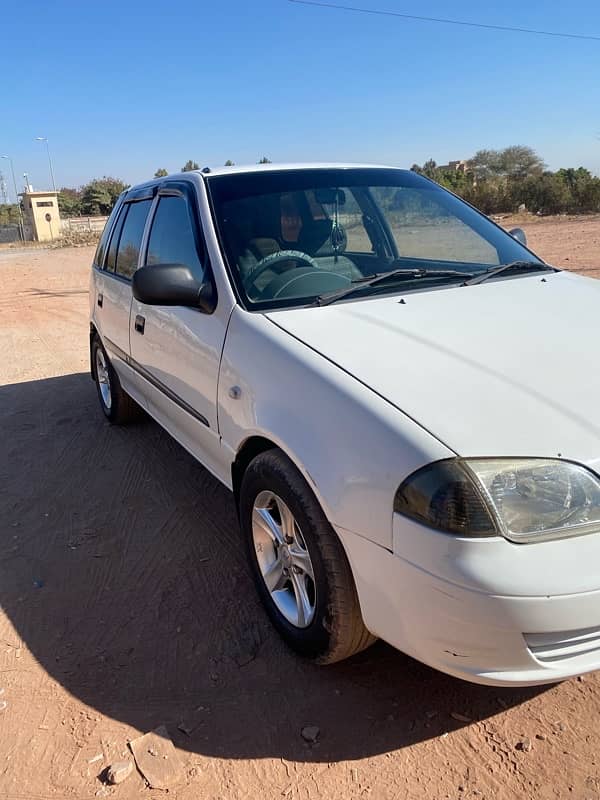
x: 122, y: 570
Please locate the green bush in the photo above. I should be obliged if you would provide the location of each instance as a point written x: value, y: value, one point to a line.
x: 502, y: 180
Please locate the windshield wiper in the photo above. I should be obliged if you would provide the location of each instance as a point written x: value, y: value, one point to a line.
x: 524, y: 265
x: 382, y: 277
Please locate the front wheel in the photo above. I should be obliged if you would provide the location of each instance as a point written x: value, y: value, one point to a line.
x: 299, y: 565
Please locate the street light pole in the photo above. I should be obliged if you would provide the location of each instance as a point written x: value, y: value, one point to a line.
x: 12, y: 169
x: 44, y: 139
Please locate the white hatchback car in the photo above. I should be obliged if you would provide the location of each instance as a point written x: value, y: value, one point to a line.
x: 403, y: 398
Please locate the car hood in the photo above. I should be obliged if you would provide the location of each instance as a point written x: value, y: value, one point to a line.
x: 509, y: 367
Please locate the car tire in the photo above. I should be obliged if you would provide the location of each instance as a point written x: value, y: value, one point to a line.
x: 118, y: 407
x: 314, y: 607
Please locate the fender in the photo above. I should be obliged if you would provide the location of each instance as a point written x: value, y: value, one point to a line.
x: 336, y: 431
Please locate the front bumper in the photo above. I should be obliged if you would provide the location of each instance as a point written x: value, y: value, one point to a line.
x: 487, y: 610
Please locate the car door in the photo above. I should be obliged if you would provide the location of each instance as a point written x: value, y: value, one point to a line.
x: 177, y: 350
x: 113, y: 286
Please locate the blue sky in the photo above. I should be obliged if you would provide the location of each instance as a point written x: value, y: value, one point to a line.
x: 121, y: 88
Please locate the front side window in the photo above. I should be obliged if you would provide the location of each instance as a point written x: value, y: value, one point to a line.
x: 130, y: 240
x: 290, y: 237
x: 172, y: 239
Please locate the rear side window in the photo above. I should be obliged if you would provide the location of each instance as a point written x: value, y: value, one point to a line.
x: 111, y: 258
x: 103, y: 243
x: 172, y: 238
x: 130, y: 240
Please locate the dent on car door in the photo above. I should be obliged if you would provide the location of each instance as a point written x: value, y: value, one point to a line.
x: 177, y: 350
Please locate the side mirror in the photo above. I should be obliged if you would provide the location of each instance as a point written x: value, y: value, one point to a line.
x: 519, y: 235
x: 172, y: 285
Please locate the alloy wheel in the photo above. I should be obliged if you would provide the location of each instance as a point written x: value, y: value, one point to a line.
x: 103, y: 379
x: 283, y: 559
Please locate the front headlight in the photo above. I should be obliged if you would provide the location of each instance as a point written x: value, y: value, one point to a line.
x: 524, y: 499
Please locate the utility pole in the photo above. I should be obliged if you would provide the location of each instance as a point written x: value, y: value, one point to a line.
x: 21, y: 224
x: 44, y: 139
x: 3, y: 192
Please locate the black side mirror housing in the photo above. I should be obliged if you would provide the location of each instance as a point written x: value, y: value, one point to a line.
x: 172, y: 285
x: 519, y: 235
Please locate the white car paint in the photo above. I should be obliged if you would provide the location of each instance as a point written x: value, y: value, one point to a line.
x: 456, y: 359
x: 360, y: 395
x: 351, y: 444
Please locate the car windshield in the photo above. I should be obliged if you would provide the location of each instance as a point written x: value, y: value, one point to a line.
x: 291, y: 237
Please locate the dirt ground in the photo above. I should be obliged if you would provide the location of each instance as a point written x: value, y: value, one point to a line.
x: 127, y: 604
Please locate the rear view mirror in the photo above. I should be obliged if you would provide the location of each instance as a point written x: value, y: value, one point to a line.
x: 519, y: 235
x: 327, y: 197
x: 172, y: 285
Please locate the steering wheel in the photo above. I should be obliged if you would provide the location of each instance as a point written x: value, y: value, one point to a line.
x: 269, y: 262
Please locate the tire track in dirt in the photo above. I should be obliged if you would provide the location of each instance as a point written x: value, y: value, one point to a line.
x: 146, y: 615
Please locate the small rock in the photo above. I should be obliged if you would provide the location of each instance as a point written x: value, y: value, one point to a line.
x: 310, y: 733
x: 560, y: 726
x: 524, y: 745
x: 541, y: 736
x: 160, y: 773
x: 119, y: 771
x: 460, y: 717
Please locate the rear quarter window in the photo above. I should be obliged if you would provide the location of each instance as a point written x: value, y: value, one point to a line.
x: 103, y: 243
x: 111, y: 255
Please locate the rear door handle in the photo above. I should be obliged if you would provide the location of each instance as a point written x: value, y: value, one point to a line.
x: 140, y: 323
x: 100, y: 299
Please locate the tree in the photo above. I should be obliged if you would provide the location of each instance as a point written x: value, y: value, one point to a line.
x: 502, y: 180
x: 486, y: 163
x: 161, y: 172
x: 265, y: 160
x: 517, y: 161
x: 229, y: 163
x: 520, y: 161
x: 429, y: 168
x: 9, y: 214
x: 189, y: 166
x: 99, y: 195
x: 69, y: 202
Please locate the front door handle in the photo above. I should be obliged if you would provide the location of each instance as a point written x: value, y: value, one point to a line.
x: 100, y: 299
x: 140, y: 323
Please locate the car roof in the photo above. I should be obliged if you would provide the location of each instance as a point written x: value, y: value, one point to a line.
x: 249, y: 168
x: 245, y: 169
